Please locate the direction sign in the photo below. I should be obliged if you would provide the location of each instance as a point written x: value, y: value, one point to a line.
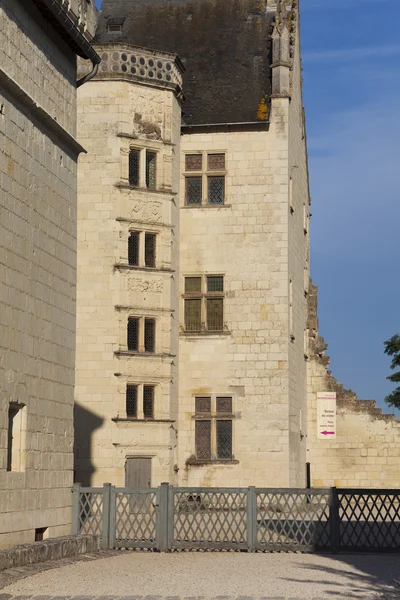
x: 326, y: 415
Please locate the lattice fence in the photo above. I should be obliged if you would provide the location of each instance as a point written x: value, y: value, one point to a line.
x: 369, y: 519
x: 209, y: 518
x: 135, y: 518
x: 294, y: 520
x: 169, y: 518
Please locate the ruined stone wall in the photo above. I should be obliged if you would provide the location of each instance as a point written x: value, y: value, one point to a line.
x: 114, y: 116
x: 366, y: 451
x: 38, y: 167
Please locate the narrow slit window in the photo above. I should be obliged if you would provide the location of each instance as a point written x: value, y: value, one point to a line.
x: 151, y: 170
x: 203, y: 440
x: 148, y: 401
x: 133, y: 248
x: 193, y: 190
x: 149, y: 335
x: 224, y: 439
x: 134, y: 163
x: 16, y: 432
x: 131, y: 401
x: 150, y: 250
x: 133, y: 334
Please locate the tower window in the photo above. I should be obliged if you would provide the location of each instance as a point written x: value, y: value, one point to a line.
x: 150, y: 249
x: 131, y: 401
x: 133, y: 334
x: 149, y: 335
x: 134, y: 167
x: 133, y: 248
x: 151, y: 170
x: 148, y: 401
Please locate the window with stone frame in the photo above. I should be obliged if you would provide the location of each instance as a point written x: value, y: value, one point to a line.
x: 204, y: 303
x: 214, y: 428
x: 140, y: 401
x: 142, y: 168
x: 141, y: 334
x: 205, y: 175
x: 142, y: 252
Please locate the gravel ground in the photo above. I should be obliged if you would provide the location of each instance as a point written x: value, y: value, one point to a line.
x: 207, y: 575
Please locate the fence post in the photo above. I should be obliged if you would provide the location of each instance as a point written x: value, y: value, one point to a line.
x: 334, y: 520
x: 163, y: 518
x: 251, y: 518
x: 105, y: 534
x: 76, y: 499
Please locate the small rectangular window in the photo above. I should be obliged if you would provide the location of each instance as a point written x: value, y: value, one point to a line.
x: 224, y: 439
x: 193, y: 162
x: 150, y: 250
x: 224, y: 405
x: 131, y: 401
x: 151, y: 170
x: 16, y: 432
x: 133, y: 248
x: 133, y: 334
x: 215, y: 314
x: 134, y: 162
x: 193, y: 190
x: 215, y: 283
x: 193, y: 314
x: 216, y: 190
x: 148, y: 401
x: 149, y: 335
x: 192, y: 285
x: 216, y: 162
x: 203, y: 405
x: 203, y: 439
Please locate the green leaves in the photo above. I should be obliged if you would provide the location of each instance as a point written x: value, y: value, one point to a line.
x: 392, y: 348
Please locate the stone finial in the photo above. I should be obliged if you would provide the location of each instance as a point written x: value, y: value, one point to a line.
x: 281, y: 20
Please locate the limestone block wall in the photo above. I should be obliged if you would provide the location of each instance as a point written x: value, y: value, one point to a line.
x: 244, y: 240
x: 298, y: 256
x: 115, y: 116
x: 366, y: 451
x: 37, y: 277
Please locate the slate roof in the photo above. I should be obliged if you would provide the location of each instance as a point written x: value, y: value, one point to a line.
x: 225, y: 46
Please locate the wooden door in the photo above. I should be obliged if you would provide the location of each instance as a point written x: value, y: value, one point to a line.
x: 138, y: 472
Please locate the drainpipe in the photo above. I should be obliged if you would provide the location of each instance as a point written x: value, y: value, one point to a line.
x: 61, y: 21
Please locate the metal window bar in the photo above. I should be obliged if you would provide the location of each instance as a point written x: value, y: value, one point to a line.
x: 216, y: 190
x: 215, y: 314
x: 151, y: 170
x: 133, y: 334
x: 224, y: 405
x: 193, y: 314
x: 193, y: 162
x: 148, y: 401
x: 134, y: 167
x: 131, y: 401
x: 202, y: 405
x: 215, y: 283
x: 150, y: 249
x: 133, y: 248
x: 216, y: 162
x: 149, y: 335
x: 203, y: 439
x: 224, y: 439
x: 192, y: 285
x: 193, y: 190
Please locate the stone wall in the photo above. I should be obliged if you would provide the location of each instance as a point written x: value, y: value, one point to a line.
x: 366, y: 451
x: 37, y: 268
x: 114, y: 116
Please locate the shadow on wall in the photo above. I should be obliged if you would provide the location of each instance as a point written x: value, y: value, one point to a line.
x: 85, y: 423
x: 376, y: 573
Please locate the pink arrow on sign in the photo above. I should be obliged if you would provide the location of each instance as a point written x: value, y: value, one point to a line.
x: 328, y: 432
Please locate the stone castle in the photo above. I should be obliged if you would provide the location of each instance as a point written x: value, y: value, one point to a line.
x: 198, y: 355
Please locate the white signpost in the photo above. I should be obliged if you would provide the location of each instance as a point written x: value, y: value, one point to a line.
x: 326, y: 415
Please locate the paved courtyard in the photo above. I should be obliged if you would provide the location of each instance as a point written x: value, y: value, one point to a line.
x: 222, y: 576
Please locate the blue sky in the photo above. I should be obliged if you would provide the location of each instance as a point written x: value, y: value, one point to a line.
x: 351, y: 55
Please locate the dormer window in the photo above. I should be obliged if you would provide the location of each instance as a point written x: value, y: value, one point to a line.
x: 115, y: 25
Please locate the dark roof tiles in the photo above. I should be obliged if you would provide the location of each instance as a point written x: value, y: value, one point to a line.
x: 224, y: 45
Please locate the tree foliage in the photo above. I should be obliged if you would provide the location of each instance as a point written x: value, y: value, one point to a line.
x: 392, y: 348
